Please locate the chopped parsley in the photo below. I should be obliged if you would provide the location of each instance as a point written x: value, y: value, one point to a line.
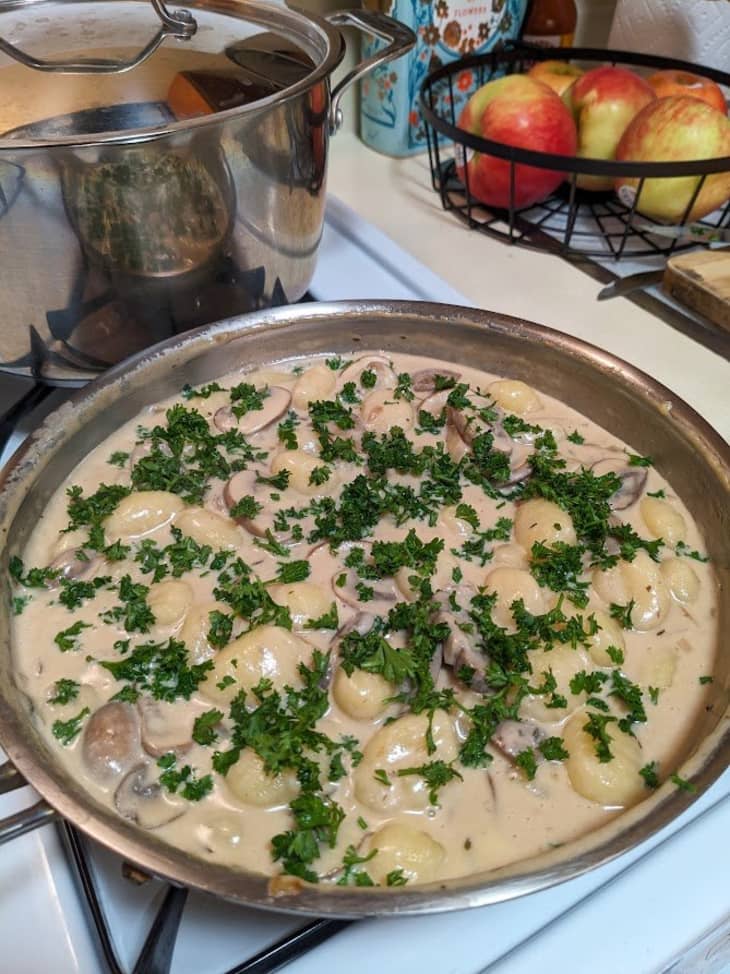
x: 119, y: 458
x: 435, y: 774
x: 162, y: 669
x: 184, y: 779
x: 622, y: 613
x: 34, y: 578
x: 204, y: 731
x: 527, y: 763
x: 329, y: 620
x: 292, y: 571
x: 575, y: 437
x: 134, y: 613
x: 683, y: 550
x: 596, y: 727
x: 68, y: 638
x: 246, y: 398
x: 66, y: 731
x: 64, y: 691
x: 682, y: 783
x: 285, y: 431
x: 247, y: 507
x: 553, y: 749
x: 634, y: 460
x: 220, y: 630
x: 650, y: 774
x: 558, y: 567
x: 351, y: 874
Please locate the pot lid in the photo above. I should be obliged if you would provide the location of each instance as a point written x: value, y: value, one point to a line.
x: 90, y: 71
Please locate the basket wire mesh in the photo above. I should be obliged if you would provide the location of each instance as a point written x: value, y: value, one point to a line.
x: 571, y: 221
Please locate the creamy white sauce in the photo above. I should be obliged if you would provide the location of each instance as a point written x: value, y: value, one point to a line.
x: 485, y: 819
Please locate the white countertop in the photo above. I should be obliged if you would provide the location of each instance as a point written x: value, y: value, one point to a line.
x: 396, y: 196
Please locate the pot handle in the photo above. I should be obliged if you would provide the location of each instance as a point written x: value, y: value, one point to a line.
x: 28, y: 819
x: 176, y: 23
x: 401, y: 39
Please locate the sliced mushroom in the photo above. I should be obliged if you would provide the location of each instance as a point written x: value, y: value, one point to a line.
x: 165, y: 727
x: 273, y: 407
x: 379, y: 364
x: 515, y: 736
x: 111, y: 740
x: 244, y: 484
x: 455, y: 446
x: 385, y: 592
x: 459, y: 651
x: 140, y: 799
x: 424, y: 381
x: 361, y: 623
x: 436, y: 403
x: 467, y: 429
x: 72, y: 563
x: 633, y: 481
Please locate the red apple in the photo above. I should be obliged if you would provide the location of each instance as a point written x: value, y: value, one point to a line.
x: 519, y: 111
x: 666, y: 83
x: 676, y: 129
x: 603, y: 102
x: 558, y: 75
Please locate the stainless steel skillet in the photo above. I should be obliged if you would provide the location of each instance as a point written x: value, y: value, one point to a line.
x: 625, y: 401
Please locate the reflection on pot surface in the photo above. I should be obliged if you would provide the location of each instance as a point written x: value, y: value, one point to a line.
x: 149, y: 211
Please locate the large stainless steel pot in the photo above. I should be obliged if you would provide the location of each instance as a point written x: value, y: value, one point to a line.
x: 623, y: 400
x: 171, y: 174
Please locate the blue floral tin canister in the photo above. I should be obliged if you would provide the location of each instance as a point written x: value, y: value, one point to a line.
x: 390, y: 120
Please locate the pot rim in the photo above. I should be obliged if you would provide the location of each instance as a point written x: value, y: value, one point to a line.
x: 265, y: 14
x: 596, y: 848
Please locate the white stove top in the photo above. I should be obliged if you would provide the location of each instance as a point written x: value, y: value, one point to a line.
x: 664, y: 907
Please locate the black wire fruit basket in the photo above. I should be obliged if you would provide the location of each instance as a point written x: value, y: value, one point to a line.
x: 571, y: 221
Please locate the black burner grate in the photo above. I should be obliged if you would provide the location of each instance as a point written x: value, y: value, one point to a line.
x: 157, y: 953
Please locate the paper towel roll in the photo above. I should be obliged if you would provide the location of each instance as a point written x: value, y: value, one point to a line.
x: 694, y: 30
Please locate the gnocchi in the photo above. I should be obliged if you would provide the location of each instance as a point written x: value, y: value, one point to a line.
x: 405, y: 850
x: 681, y: 580
x: 615, y: 782
x: 607, y: 636
x: 510, y: 585
x: 380, y: 412
x: 663, y: 520
x: 314, y: 384
x: 638, y: 585
x: 250, y: 782
x: 541, y: 520
x: 305, y: 601
x: 208, y: 528
x: 141, y: 513
x: 514, y: 396
x: 362, y: 695
x: 267, y: 653
x: 170, y: 601
x: 562, y: 664
x: 397, y: 747
x: 301, y: 466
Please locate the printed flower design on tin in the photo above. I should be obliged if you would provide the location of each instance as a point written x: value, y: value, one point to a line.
x: 452, y: 34
x: 442, y: 8
x: 431, y: 35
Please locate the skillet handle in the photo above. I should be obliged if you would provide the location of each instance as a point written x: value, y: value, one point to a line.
x: 401, y: 39
x: 26, y: 820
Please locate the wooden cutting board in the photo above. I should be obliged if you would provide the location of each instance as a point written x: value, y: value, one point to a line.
x: 701, y: 280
